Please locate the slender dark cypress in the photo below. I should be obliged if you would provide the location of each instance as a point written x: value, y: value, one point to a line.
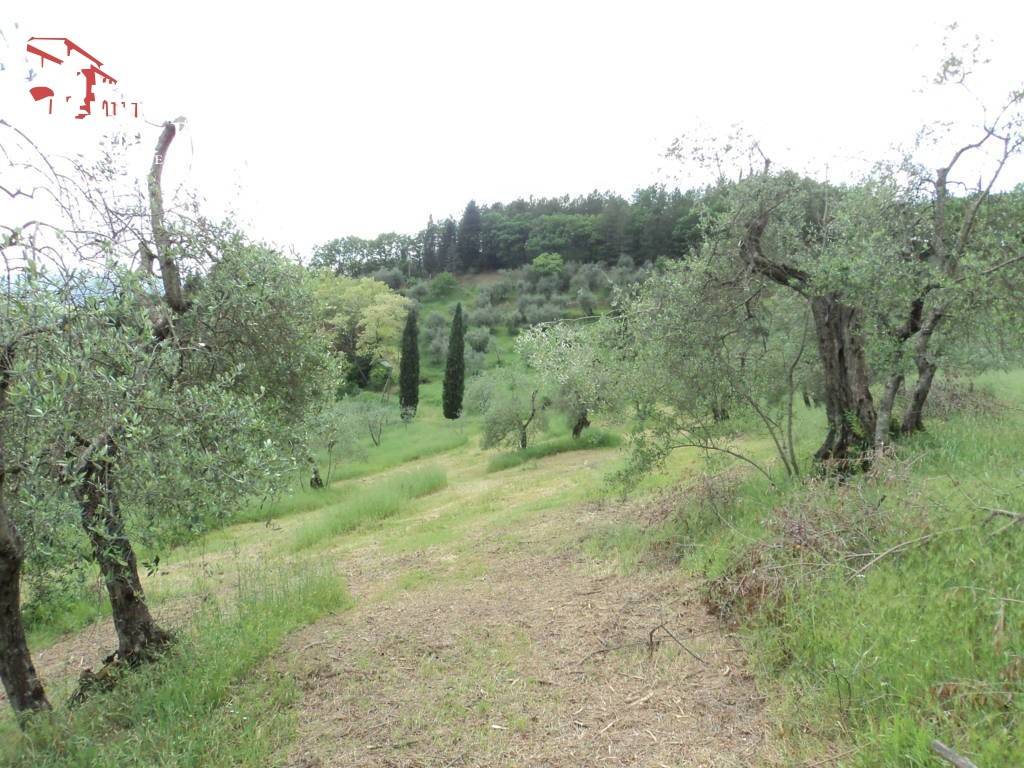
x: 455, y: 369
x: 409, y: 368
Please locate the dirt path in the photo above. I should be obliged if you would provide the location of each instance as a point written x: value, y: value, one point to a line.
x: 513, y: 648
x: 483, y: 635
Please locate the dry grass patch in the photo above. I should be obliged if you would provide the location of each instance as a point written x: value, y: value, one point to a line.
x: 544, y: 659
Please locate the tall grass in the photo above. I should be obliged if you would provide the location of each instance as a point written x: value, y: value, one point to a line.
x: 924, y: 644
x: 593, y: 438
x: 206, y: 703
x: 369, y: 504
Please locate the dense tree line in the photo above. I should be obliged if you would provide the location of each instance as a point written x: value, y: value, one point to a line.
x: 601, y: 228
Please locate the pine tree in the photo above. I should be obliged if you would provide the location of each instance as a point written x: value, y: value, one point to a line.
x: 409, y: 368
x: 469, y: 237
x: 430, y: 263
x: 447, y: 253
x: 455, y: 369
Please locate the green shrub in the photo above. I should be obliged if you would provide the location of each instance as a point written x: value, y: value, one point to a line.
x: 443, y: 286
x: 548, y: 264
x: 478, y: 339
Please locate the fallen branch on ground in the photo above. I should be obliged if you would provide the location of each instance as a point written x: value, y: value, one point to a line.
x: 994, y: 512
x: 900, y: 547
x: 650, y: 642
x: 951, y: 755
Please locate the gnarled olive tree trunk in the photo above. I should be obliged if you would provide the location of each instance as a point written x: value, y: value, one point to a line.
x: 845, y: 375
x: 848, y: 403
x: 581, y: 423
x: 139, y: 637
x: 24, y: 690
x: 22, y: 684
x: 913, y: 420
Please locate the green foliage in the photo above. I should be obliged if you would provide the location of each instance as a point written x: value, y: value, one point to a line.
x: 434, y: 338
x: 256, y: 309
x: 409, y: 371
x: 447, y: 253
x: 364, y: 320
x: 356, y: 256
x: 574, y: 363
x: 430, y: 265
x: 368, y: 505
x: 511, y: 405
x: 548, y: 264
x: 455, y: 368
x: 478, y: 339
x: 442, y: 286
x: 198, y: 431
x: 591, y: 440
x: 469, y: 238
x: 587, y: 301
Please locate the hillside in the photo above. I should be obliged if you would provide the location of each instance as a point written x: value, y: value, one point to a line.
x: 430, y: 606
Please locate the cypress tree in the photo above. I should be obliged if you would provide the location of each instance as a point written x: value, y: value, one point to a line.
x: 409, y: 368
x: 447, y: 252
x: 469, y: 238
x: 429, y: 264
x: 455, y: 369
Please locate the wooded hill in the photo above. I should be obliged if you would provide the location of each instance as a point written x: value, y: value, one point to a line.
x: 599, y: 227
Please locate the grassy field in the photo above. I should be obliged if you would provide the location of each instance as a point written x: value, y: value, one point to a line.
x: 595, y: 438
x: 213, y: 701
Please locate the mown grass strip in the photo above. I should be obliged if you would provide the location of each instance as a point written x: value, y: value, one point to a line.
x: 417, y: 443
x: 595, y: 438
x: 207, y: 702
x: 369, y: 505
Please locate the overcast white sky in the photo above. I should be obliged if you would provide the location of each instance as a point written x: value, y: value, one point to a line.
x: 315, y: 120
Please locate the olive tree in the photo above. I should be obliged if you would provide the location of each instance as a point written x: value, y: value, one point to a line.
x: 155, y: 368
x: 511, y: 404
x: 892, y: 269
x: 574, y: 365
x: 692, y: 365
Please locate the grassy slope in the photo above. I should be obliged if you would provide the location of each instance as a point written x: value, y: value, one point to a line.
x: 593, y: 438
x: 212, y: 702
x: 205, y: 703
x: 923, y: 643
x: 369, y: 505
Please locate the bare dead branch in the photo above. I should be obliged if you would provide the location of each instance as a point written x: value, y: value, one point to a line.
x: 951, y: 755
